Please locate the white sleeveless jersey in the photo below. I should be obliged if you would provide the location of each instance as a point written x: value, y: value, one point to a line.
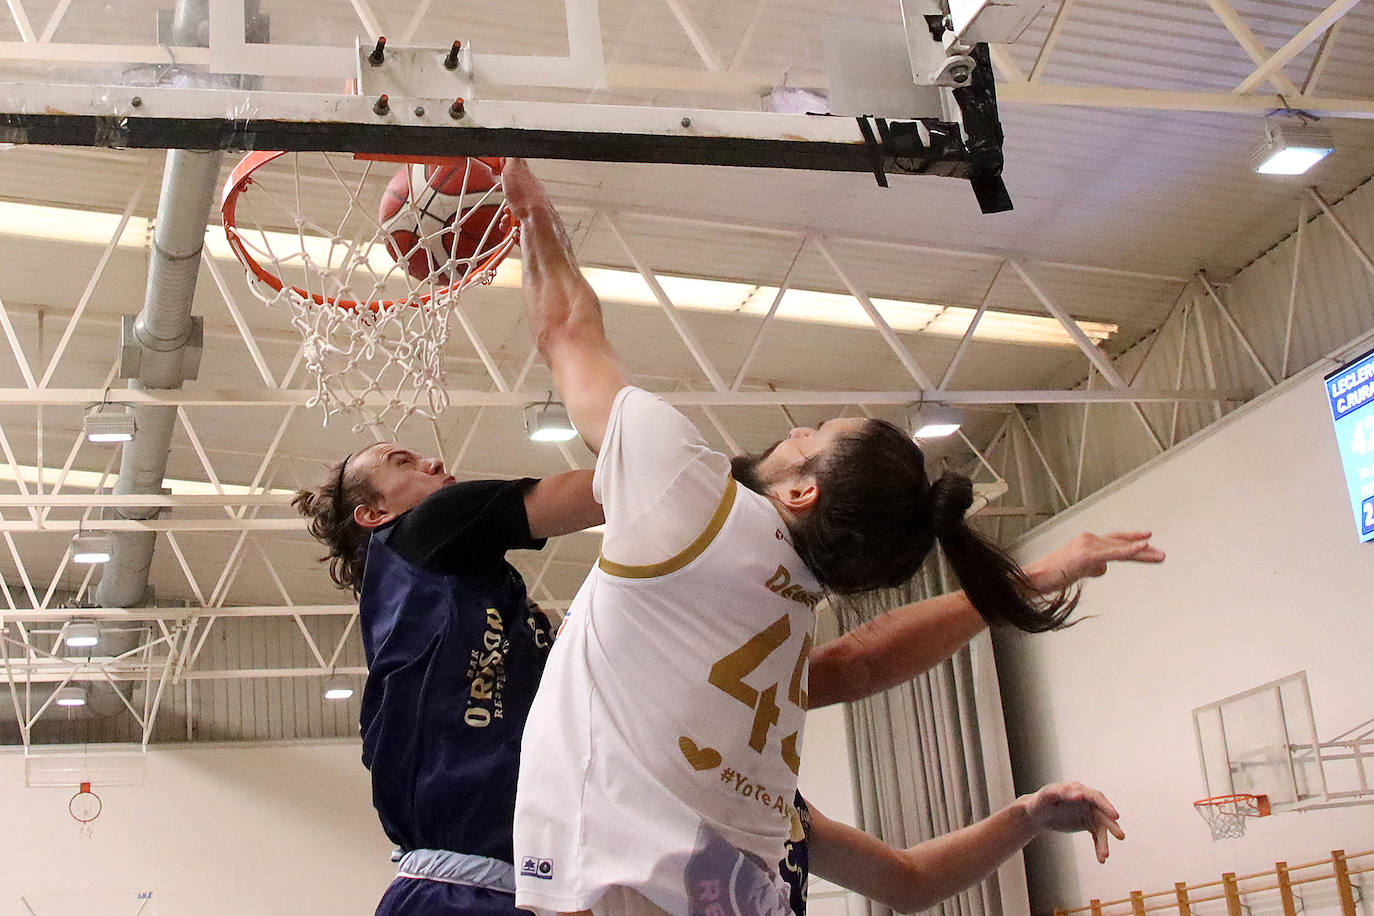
x: 666, y: 742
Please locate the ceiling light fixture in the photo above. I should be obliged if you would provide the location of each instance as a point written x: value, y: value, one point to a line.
x: 935, y: 421
x: 91, y: 548
x: 337, y: 687
x: 548, y: 422
x: 69, y: 224
x: 1291, y: 145
x: 81, y: 634
x: 103, y: 423
x: 70, y: 696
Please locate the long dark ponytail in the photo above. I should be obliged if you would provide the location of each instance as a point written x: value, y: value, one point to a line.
x: 877, y: 517
x: 329, y: 507
x: 992, y: 580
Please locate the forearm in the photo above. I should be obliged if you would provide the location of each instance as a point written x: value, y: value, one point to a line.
x: 891, y: 649
x: 563, y: 311
x: 945, y: 866
x: 558, y: 299
x: 916, y: 878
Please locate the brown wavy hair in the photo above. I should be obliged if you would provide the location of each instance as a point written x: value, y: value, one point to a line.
x: 329, y: 508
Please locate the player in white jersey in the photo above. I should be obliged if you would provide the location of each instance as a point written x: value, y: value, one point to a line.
x: 670, y: 715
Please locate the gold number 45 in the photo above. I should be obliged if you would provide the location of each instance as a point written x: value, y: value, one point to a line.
x: 728, y: 674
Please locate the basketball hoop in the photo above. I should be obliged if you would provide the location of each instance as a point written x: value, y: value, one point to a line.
x: 84, y: 808
x: 369, y: 285
x: 1225, y: 814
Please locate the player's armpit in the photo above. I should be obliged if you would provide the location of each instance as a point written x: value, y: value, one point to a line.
x: 561, y: 504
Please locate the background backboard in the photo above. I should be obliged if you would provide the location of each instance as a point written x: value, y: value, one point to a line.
x: 1262, y: 741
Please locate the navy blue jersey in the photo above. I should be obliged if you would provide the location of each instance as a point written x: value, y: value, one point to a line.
x: 455, y: 651
x: 795, y: 866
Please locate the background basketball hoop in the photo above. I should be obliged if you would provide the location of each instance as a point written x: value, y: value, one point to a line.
x: 368, y: 255
x: 84, y: 808
x: 1225, y: 814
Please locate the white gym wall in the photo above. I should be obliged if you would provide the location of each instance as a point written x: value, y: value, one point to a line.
x: 826, y: 781
x: 1265, y: 577
x: 212, y: 830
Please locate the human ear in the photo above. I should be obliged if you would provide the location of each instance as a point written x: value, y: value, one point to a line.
x: 798, y: 495
x: 370, y: 517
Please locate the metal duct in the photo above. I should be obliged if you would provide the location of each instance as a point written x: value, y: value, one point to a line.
x: 161, y: 345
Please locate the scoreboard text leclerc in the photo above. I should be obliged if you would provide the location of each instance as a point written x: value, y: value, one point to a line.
x: 1350, y: 392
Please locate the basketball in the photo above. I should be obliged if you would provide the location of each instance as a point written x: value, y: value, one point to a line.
x: 439, y: 220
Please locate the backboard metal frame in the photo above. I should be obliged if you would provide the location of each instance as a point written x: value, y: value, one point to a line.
x: 238, y: 94
x: 1263, y: 741
x: 1247, y: 744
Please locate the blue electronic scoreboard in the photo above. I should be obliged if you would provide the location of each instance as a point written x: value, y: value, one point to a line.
x: 1350, y: 392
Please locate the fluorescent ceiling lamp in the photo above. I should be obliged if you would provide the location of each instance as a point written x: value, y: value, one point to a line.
x: 815, y: 307
x: 1291, y: 149
x: 935, y: 421
x: 337, y: 688
x: 548, y: 422
x: 81, y: 634
x: 70, y: 696
x: 93, y: 480
x: 92, y: 548
x: 612, y: 285
x: 107, y: 423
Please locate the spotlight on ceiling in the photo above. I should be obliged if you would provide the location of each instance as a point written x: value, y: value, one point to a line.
x: 1291, y: 146
x: 106, y: 423
x: 70, y: 696
x: 935, y: 421
x: 548, y: 422
x: 92, y: 548
x: 337, y: 688
x: 81, y: 634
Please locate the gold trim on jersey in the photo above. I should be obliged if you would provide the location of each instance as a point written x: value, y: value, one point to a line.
x: 688, y: 554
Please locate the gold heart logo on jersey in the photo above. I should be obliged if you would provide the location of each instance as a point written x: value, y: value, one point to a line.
x: 701, y: 758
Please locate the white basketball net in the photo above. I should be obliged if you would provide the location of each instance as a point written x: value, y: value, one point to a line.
x: 310, y: 222
x: 1225, y: 817
x: 84, y: 808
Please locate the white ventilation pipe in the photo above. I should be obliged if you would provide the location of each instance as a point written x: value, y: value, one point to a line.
x: 161, y: 345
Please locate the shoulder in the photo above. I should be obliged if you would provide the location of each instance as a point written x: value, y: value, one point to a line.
x: 462, y: 499
x: 464, y: 523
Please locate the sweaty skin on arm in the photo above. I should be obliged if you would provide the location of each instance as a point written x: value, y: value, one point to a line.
x: 563, y: 310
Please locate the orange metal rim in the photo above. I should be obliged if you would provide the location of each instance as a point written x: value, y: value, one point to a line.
x: 240, y: 179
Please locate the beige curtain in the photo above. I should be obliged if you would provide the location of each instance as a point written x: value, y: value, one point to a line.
x: 930, y: 756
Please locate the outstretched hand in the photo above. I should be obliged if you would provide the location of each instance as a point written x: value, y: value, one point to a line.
x: 1068, y: 807
x: 1088, y: 555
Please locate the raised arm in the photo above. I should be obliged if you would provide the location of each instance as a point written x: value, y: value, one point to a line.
x: 563, y: 310
x: 921, y: 876
x: 561, y: 504
x: 906, y: 641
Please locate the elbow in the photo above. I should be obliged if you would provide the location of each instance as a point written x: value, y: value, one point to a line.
x: 910, y: 899
x: 913, y: 897
x: 569, y: 332
x: 912, y: 891
x: 836, y: 676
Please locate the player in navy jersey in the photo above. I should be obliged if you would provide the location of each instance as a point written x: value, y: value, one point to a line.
x: 455, y: 650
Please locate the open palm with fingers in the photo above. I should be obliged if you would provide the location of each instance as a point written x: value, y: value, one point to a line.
x: 1068, y: 807
x: 1088, y: 555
